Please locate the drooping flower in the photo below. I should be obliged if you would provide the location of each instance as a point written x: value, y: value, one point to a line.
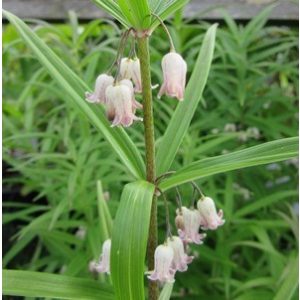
x: 180, y: 259
x: 210, y: 219
x: 135, y: 104
x: 104, y: 264
x: 119, y: 105
x: 98, y: 96
x: 136, y: 75
x: 126, y: 68
x: 174, y: 73
x: 163, y: 271
x: 191, y: 223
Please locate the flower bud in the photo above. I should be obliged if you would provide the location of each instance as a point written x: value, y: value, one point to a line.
x: 104, y: 264
x: 180, y: 259
x: 210, y: 219
x: 98, y: 96
x: 191, y: 222
x: 163, y: 264
x: 174, y: 73
x: 119, y: 105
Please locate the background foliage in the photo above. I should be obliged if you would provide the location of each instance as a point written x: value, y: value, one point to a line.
x: 55, y: 160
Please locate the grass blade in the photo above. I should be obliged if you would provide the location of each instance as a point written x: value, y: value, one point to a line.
x: 290, y: 283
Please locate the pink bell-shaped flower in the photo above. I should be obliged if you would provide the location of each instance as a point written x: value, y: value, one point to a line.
x: 174, y: 73
x: 191, y: 222
x: 119, y: 105
x: 126, y: 68
x: 98, y: 96
x: 104, y: 264
x: 163, y: 271
x: 210, y: 219
x: 135, y: 104
x: 180, y: 259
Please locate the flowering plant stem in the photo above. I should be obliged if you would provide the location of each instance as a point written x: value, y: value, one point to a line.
x: 143, y: 52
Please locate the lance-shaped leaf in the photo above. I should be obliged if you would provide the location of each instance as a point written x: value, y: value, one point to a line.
x: 164, y: 9
x: 112, y: 8
x: 258, y: 155
x: 137, y: 13
x: 129, y: 240
x: 45, y: 285
x: 75, y: 88
x: 185, y: 110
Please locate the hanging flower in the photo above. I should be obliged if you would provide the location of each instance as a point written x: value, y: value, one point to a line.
x: 135, y: 104
x: 119, y: 105
x: 191, y: 223
x: 98, y: 96
x: 126, y: 68
x: 210, y: 219
x: 163, y: 271
x: 180, y: 259
x: 104, y: 264
x: 136, y: 75
x: 174, y: 73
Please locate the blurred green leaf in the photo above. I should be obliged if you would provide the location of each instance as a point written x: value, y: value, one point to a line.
x: 290, y: 282
x: 43, y: 285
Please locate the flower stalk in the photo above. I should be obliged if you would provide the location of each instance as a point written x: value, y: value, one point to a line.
x: 143, y: 53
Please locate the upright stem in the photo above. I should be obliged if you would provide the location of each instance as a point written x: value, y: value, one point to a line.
x: 143, y: 53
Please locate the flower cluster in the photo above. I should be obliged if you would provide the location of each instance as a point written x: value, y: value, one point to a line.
x: 171, y: 256
x: 118, y: 95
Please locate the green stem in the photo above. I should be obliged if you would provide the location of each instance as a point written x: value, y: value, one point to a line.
x: 143, y: 53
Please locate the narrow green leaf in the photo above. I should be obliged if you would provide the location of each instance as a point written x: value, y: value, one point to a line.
x: 129, y: 240
x: 112, y: 8
x: 260, y: 203
x: 164, y: 9
x: 17, y: 248
x: 75, y: 88
x: 185, y: 110
x: 105, y: 219
x: 290, y: 283
x: 44, y: 285
x: 258, y: 155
